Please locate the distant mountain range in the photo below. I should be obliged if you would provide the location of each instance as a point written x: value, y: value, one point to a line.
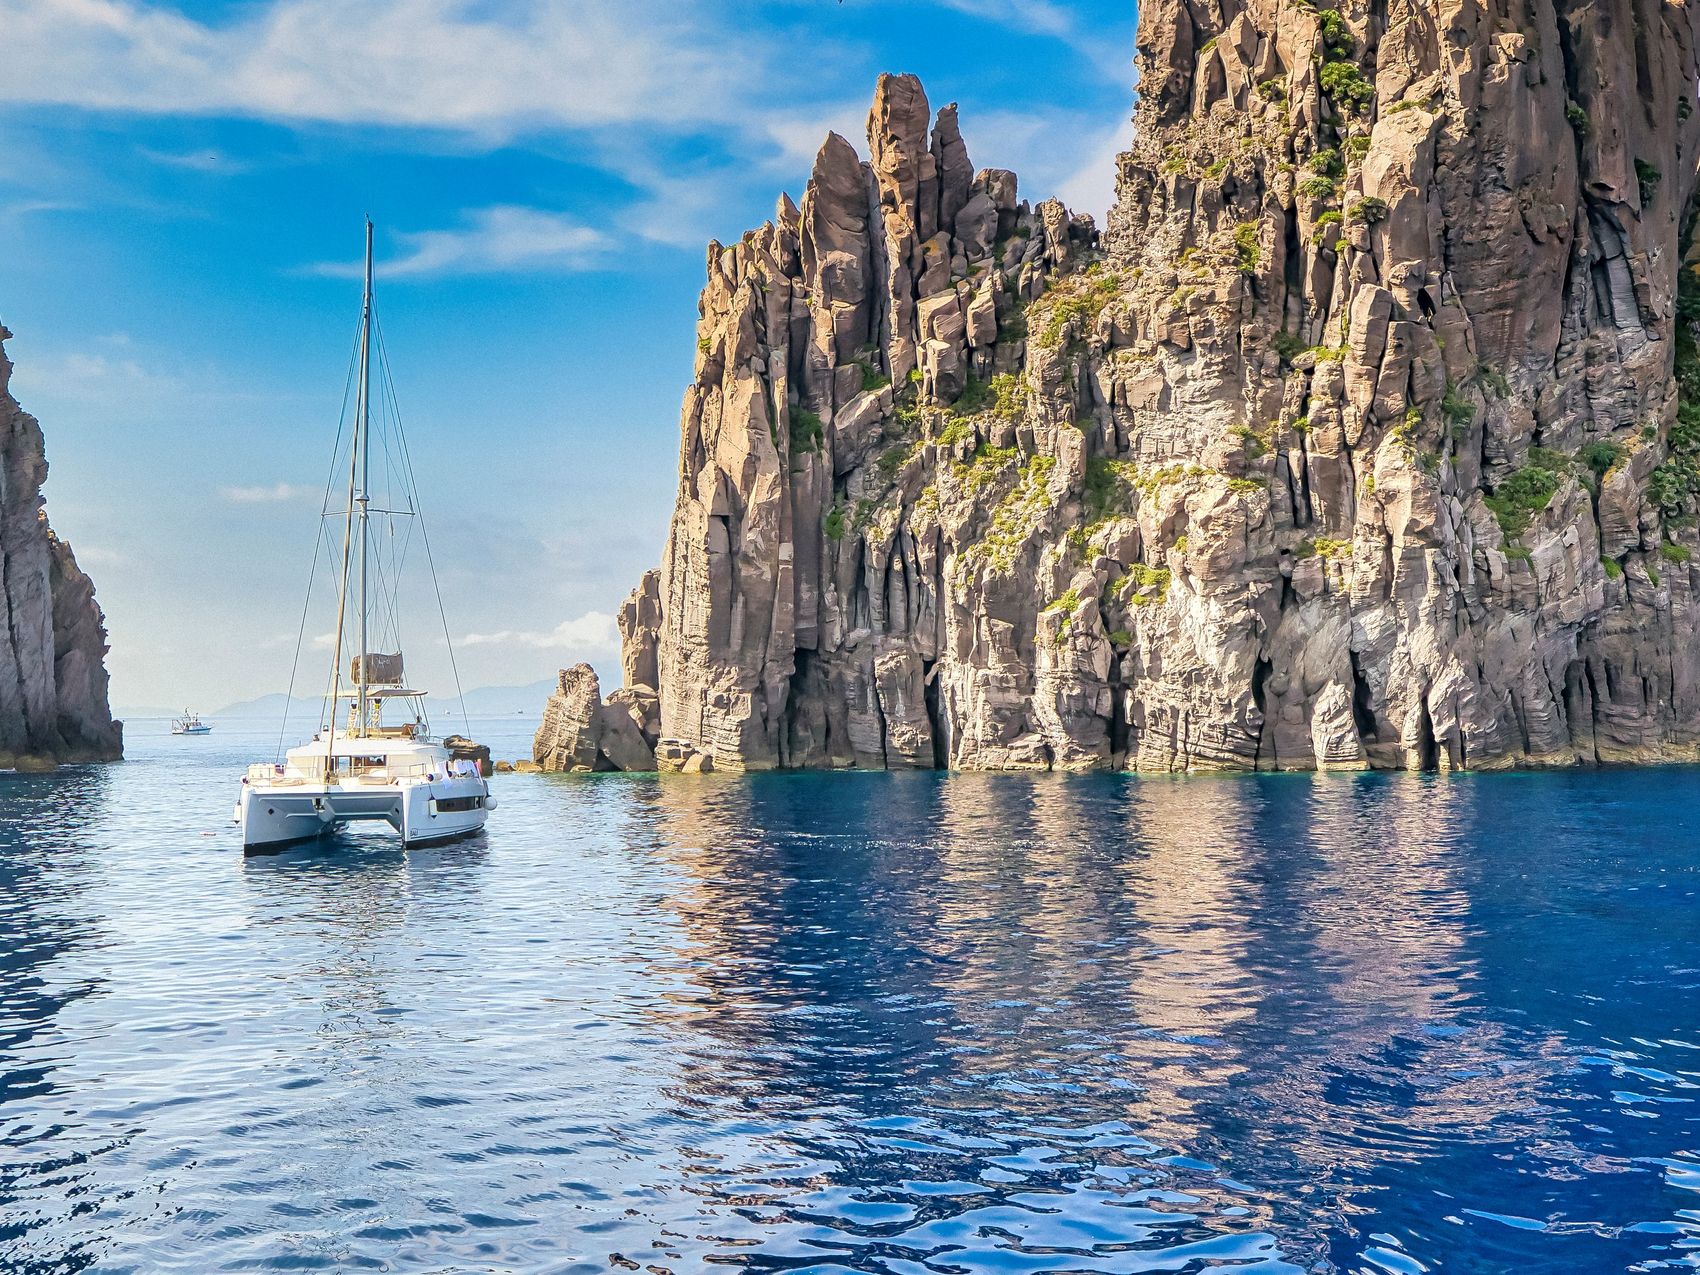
x: 485, y: 701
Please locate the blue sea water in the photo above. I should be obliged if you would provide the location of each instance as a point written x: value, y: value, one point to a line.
x: 856, y: 1022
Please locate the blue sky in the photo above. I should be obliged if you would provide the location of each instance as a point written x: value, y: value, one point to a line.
x: 181, y: 193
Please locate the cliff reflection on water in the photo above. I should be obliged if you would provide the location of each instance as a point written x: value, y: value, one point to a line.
x: 870, y: 1022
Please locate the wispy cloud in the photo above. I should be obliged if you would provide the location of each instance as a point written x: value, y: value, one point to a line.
x: 276, y: 494
x: 435, y: 64
x: 687, y: 105
x: 195, y: 161
x: 1047, y: 18
x: 501, y: 238
x: 798, y: 137
x: 29, y: 207
x: 592, y: 632
x: 98, y: 556
x: 494, y: 240
x: 1038, y: 16
x: 87, y: 377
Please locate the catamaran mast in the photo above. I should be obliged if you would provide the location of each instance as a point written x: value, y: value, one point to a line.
x: 362, y: 442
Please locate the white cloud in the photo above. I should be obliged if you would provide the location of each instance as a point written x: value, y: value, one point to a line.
x: 591, y: 633
x: 630, y: 82
x: 799, y: 137
x: 436, y: 64
x: 680, y: 210
x: 85, y: 377
x: 1038, y: 16
x: 1110, y: 57
x: 497, y: 239
x: 276, y: 494
x: 1091, y: 187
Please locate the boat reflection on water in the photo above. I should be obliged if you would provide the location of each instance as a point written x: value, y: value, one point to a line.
x: 865, y: 1022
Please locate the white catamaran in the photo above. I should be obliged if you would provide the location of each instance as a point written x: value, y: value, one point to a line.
x: 367, y: 768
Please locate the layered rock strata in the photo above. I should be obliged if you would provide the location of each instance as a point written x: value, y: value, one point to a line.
x: 1368, y: 435
x: 53, y: 682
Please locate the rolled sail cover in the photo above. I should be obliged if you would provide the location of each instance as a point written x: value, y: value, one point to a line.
x: 380, y: 669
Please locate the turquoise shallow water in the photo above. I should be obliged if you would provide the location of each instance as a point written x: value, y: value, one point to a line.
x: 894, y: 1023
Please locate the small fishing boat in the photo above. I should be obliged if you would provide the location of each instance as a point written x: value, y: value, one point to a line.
x: 189, y: 724
x: 361, y: 765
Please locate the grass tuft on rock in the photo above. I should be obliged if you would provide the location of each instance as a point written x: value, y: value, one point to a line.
x: 1520, y: 498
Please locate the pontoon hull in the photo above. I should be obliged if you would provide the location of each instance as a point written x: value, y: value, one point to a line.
x: 274, y: 817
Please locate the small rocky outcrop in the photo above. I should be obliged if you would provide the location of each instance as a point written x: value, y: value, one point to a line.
x: 53, y: 682
x: 581, y: 732
x: 1367, y: 435
x: 463, y: 749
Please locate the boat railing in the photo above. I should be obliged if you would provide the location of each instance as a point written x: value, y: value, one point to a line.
x: 391, y: 772
x: 373, y: 776
x: 277, y: 774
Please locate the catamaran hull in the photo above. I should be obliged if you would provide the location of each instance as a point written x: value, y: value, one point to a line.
x: 272, y: 818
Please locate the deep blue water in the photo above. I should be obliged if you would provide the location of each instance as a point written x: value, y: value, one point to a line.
x: 894, y: 1023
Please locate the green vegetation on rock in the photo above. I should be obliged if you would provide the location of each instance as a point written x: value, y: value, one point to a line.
x: 1367, y: 211
x: 833, y: 523
x: 1109, y: 488
x: 1148, y: 586
x: 1076, y: 299
x: 872, y: 377
x: 1068, y: 601
x: 1649, y: 178
x: 1517, y: 500
x: 1013, y: 521
x: 1004, y: 395
x: 1247, y: 253
x: 807, y: 432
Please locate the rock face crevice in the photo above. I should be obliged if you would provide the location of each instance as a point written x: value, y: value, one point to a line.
x: 1366, y: 435
x: 53, y: 682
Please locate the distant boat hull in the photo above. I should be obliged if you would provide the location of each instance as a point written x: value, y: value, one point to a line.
x: 191, y: 730
x: 275, y: 816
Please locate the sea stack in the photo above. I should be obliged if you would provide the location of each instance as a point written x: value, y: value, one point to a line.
x: 53, y: 682
x: 1367, y: 434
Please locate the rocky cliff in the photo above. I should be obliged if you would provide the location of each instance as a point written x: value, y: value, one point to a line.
x: 53, y: 701
x: 1367, y: 434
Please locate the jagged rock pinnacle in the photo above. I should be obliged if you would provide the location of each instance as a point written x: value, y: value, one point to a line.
x: 1368, y: 434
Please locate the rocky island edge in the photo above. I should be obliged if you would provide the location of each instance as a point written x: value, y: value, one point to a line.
x: 1367, y: 434
x: 53, y: 682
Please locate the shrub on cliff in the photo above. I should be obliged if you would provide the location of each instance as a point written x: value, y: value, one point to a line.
x: 1517, y: 500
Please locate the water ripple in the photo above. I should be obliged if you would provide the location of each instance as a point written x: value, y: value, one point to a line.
x: 873, y: 1023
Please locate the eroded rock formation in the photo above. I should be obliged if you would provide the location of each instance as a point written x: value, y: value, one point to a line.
x: 581, y: 732
x: 53, y: 684
x: 1367, y: 435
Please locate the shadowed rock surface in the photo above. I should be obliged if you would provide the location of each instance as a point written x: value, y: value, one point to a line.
x: 53, y: 683
x: 1367, y: 435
